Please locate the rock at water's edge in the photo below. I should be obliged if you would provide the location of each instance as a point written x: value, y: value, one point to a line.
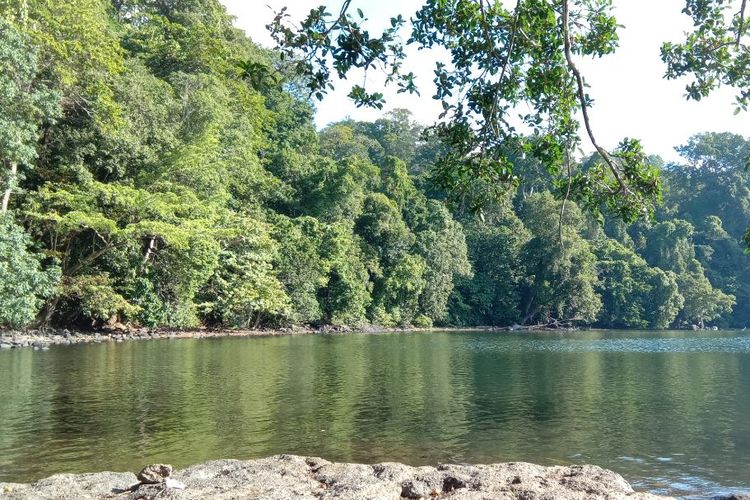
x: 154, y: 474
x: 293, y: 477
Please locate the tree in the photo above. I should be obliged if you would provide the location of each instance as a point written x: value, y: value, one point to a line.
x: 346, y: 296
x: 244, y: 290
x: 500, y: 59
x: 24, y: 282
x: 81, y: 52
x: 669, y: 246
x: 397, y: 133
x: 710, y: 188
x: 703, y: 302
x: 302, y: 269
x: 27, y: 103
x: 633, y: 294
x: 443, y: 248
x: 92, y: 227
x: 712, y: 181
x: 716, y: 51
x: 561, y: 273
x: 493, y: 295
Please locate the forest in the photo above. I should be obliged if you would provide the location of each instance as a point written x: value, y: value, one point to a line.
x: 159, y: 169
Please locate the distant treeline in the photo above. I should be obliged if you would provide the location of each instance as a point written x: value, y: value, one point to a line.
x: 160, y: 169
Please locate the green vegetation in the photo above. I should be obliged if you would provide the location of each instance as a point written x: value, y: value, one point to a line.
x: 160, y: 169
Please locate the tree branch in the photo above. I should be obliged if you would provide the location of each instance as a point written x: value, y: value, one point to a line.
x: 582, y: 98
x: 741, y: 25
x: 567, y: 195
x: 12, y: 176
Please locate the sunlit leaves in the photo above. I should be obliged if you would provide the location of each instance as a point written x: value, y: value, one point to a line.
x: 501, y: 59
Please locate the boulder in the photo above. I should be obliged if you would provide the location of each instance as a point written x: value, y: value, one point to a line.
x: 155, y: 473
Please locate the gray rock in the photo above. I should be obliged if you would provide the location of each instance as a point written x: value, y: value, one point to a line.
x: 70, y: 487
x: 293, y: 477
x: 6, y: 346
x: 155, y: 473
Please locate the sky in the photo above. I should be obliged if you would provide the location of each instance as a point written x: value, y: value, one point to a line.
x: 631, y: 98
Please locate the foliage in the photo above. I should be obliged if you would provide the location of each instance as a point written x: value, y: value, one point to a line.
x: 27, y: 103
x: 634, y: 295
x: 502, y: 60
x: 669, y: 247
x: 24, y: 283
x: 561, y: 275
x: 492, y: 296
x: 167, y: 172
x: 244, y: 289
x: 716, y: 52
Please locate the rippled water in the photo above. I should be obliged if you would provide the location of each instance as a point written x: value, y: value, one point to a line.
x: 668, y: 410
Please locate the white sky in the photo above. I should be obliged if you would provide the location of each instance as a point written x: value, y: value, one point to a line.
x: 631, y: 97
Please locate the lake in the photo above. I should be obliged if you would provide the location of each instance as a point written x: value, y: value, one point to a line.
x: 670, y: 411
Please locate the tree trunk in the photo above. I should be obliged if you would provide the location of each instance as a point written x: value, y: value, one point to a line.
x: 149, y: 250
x: 9, y: 187
x: 45, y: 315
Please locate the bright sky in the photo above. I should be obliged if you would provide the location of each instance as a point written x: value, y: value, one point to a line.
x: 631, y: 97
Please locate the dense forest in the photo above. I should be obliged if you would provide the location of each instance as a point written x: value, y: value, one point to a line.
x: 160, y: 169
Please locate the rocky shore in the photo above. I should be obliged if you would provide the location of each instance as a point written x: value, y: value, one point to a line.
x: 43, y: 339
x: 292, y: 477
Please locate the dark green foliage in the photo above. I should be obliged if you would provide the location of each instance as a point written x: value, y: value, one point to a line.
x: 492, y: 295
x: 24, y: 283
x: 634, y: 295
x: 560, y: 266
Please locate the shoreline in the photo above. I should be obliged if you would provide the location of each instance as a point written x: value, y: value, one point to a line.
x: 43, y: 340
x: 312, y: 478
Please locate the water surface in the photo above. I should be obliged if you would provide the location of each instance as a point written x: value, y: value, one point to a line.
x: 670, y: 411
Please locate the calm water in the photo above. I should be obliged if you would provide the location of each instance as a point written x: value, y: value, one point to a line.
x: 670, y: 411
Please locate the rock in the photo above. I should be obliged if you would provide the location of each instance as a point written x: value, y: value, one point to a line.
x: 146, y: 491
x: 174, y: 484
x: 6, y: 346
x: 155, y: 473
x: 69, y: 486
x: 416, y: 489
x: 293, y: 477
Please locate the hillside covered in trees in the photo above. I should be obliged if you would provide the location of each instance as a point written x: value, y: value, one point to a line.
x: 159, y: 170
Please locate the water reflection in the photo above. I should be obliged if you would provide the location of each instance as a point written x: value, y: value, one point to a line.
x: 670, y: 411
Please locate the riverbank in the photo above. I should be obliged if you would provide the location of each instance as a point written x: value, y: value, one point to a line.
x: 42, y: 340
x: 294, y: 477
